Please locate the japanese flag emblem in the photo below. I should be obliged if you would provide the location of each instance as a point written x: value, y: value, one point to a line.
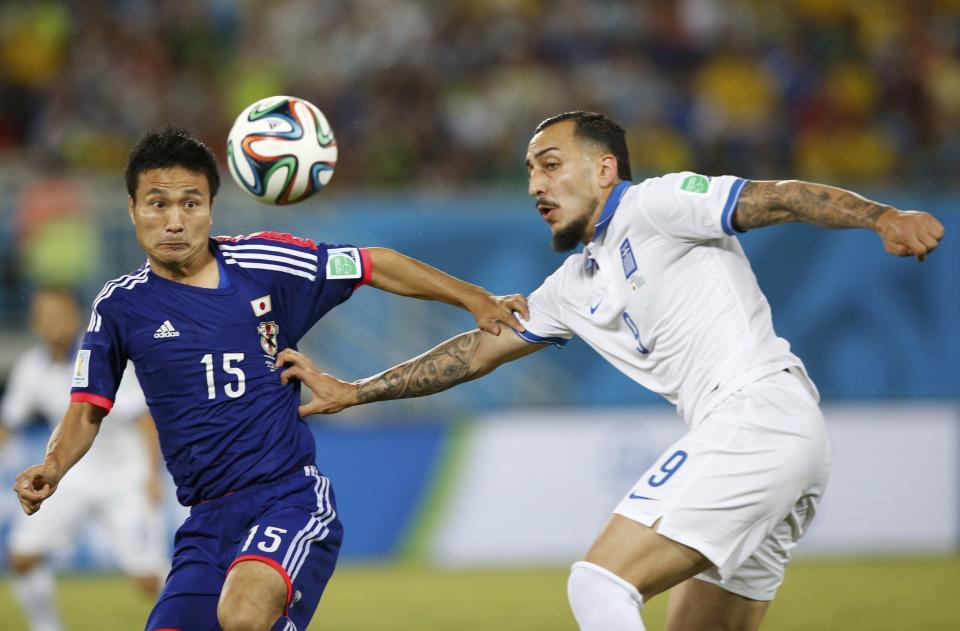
x: 261, y: 306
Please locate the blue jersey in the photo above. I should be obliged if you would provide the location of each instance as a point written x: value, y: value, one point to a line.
x: 205, y: 357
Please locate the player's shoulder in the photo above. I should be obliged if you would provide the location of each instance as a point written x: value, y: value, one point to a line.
x: 121, y: 289
x: 266, y: 239
x: 272, y: 254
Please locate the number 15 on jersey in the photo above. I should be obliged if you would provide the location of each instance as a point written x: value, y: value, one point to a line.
x: 232, y: 390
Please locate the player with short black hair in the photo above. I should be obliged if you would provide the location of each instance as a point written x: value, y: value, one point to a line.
x: 663, y: 291
x: 202, y: 321
x: 170, y: 147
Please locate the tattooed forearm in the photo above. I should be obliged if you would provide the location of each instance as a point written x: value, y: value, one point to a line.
x: 767, y: 203
x: 438, y: 369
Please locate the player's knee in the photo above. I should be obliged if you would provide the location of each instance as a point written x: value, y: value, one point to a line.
x: 601, y: 600
x: 23, y: 563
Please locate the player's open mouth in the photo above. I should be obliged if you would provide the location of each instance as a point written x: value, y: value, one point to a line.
x: 546, y: 210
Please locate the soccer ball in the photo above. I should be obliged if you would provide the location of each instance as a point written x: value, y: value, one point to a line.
x: 281, y: 150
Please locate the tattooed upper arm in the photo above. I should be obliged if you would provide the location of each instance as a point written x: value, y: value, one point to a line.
x: 760, y: 204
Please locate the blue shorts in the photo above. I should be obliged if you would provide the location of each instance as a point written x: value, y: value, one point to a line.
x: 290, y: 524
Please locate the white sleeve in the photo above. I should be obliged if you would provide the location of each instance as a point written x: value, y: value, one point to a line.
x: 691, y: 207
x: 18, y: 400
x: 545, y: 325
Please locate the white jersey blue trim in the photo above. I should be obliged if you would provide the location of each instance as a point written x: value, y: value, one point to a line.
x: 726, y: 218
x: 533, y: 338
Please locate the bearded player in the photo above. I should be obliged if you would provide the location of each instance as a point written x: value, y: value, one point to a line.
x: 663, y: 291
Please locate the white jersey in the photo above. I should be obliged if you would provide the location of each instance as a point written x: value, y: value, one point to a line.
x: 40, y: 385
x: 665, y: 293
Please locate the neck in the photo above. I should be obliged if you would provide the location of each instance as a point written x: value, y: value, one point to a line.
x: 199, y: 271
x: 591, y: 227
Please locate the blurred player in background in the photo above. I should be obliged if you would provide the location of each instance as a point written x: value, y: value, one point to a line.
x: 663, y: 291
x: 202, y: 322
x: 116, y: 488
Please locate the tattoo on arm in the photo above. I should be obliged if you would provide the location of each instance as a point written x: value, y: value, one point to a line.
x: 438, y: 369
x: 768, y: 203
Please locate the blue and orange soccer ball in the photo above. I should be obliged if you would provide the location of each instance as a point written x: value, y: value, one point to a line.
x: 281, y: 150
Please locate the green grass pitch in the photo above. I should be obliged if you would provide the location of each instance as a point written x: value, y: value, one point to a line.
x: 846, y: 595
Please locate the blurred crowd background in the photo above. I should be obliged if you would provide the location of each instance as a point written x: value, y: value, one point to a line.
x: 444, y: 94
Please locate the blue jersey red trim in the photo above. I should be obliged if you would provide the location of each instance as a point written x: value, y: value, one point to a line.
x: 95, y: 399
x: 281, y: 237
x: 367, y: 263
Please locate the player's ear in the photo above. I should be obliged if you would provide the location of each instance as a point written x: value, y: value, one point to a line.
x: 130, y: 206
x: 608, y: 170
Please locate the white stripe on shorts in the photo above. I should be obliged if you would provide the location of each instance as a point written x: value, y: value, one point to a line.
x: 315, y: 529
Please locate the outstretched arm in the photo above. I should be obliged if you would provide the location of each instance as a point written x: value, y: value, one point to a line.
x: 764, y: 203
x: 462, y: 358
x: 69, y: 441
x: 405, y: 276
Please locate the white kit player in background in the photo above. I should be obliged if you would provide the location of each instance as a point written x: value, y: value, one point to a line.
x: 116, y: 488
x: 663, y: 291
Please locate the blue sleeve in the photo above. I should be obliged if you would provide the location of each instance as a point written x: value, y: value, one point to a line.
x: 308, y: 278
x: 341, y: 270
x: 100, y: 361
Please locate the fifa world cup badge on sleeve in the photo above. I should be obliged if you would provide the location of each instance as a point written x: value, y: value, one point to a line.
x: 81, y: 369
x: 695, y: 184
x: 343, y: 263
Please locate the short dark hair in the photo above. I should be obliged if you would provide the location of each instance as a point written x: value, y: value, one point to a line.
x: 598, y: 129
x: 170, y: 147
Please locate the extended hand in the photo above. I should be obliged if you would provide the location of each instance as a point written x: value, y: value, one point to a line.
x: 491, y: 311
x: 909, y: 233
x: 35, y: 485
x: 330, y: 395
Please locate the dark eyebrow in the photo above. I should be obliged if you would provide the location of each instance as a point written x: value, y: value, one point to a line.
x: 541, y: 152
x: 156, y: 190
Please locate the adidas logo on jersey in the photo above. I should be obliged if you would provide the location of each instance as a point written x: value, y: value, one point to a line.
x: 166, y: 330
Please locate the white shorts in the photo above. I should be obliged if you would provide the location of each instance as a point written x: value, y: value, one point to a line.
x: 133, y: 527
x: 742, y: 486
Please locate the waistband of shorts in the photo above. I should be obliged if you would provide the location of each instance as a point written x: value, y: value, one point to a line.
x: 253, y: 489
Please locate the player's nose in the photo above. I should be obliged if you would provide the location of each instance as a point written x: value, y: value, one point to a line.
x: 174, y: 220
x: 537, y: 185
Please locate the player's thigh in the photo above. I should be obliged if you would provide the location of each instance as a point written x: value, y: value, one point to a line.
x: 138, y: 536
x: 254, y: 595
x: 53, y: 527
x: 298, y: 537
x: 695, y: 605
x: 646, y: 559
